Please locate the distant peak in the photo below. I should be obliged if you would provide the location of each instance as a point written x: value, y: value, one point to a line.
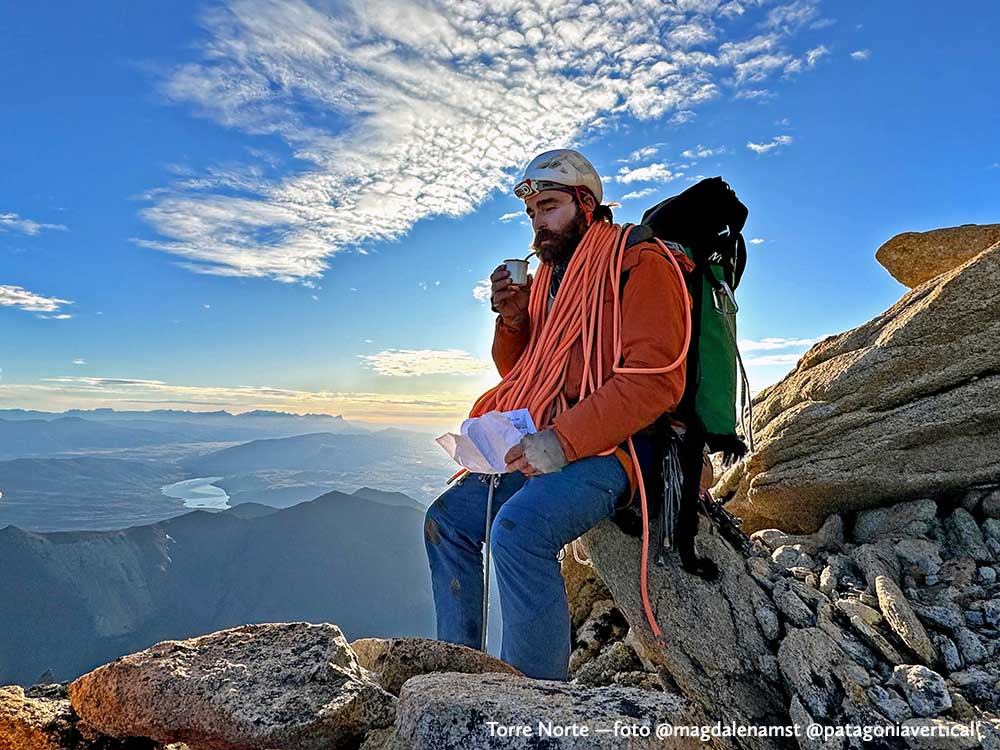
x: 285, y: 414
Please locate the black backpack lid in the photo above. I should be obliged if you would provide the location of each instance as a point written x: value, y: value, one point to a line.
x: 708, y: 218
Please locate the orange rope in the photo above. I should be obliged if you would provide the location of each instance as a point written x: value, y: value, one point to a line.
x: 536, y: 382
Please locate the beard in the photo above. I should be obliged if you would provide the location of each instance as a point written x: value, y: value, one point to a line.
x: 556, y: 248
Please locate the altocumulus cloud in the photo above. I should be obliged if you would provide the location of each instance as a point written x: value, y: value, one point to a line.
x: 411, y: 362
x: 15, y: 223
x: 396, y: 110
x: 777, y: 142
x: 21, y: 298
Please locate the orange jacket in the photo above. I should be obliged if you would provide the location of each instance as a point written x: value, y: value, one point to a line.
x: 652, y: 335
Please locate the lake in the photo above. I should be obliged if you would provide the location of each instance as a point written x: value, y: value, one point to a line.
x: 198, y: 493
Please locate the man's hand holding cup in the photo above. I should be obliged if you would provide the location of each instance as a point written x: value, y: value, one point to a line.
x: 510, y: 291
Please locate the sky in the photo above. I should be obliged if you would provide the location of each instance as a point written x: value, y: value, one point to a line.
x: 296, y: 205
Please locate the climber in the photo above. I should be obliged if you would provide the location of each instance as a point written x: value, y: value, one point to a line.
x: 558, y: 358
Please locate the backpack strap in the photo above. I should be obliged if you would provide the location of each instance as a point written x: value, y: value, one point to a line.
x: 640, y: 233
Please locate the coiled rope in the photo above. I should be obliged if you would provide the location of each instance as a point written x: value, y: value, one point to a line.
x: 536, y: 381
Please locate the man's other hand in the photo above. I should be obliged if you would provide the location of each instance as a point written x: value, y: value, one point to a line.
x: 537, y: 453
x: 510, y: 300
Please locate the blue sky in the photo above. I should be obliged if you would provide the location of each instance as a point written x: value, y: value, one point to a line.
x: 293, y: 205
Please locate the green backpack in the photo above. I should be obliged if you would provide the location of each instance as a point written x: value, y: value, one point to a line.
x: 707, y: 221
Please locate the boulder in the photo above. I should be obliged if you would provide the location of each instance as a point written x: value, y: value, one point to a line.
x: 991, y: 504
x: 819, y: 672
x: 41, y: 718
x: 901, y: 618
x: 902, y: 407
x: 964, y: 536
x: 28, y: 724
x: 830, y: 538
x: 915, y: 257
x: 795, y: 610
x: 920, y: 555
x: 610, y: 666
x: 583, y: 586
x: 714, y: 647
x: 925, y: 689
x: 481, y: 712
x: 395, y: 660
x: 275, y: 685
x: 864, y: 620
x: 874, y: 560
x: 895, y: 522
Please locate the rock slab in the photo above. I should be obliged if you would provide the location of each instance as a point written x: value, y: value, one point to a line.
x: 915, y: 257
x: 448, y: 711
x: 274, y: 685
x: 900, y: 408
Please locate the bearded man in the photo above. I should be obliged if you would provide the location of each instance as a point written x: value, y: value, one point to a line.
x: 577, y: 470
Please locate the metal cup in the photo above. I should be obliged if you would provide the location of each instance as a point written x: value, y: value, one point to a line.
x: 518, y: 270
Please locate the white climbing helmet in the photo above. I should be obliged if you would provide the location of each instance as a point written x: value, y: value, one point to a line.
x: 559, y: 169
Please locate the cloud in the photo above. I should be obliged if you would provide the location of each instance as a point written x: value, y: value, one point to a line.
x: 482, y: 290
x: 411, y: 362
x: 21, y: 298
x: 642, y: 153
x: 684, y: 116
x: 15, y: 223
x: 772, y: 359
x: 511, y: 216
x: 792, y: 16
x: 79, y: 361
x: 750, y: 345
x: 816, y: 54
x: 397, y: 110
x: 775, y: 143
x: 756, y: 241
x: 861, y: 54
x: 66, y: 392
x: 638, y: 194
x: 760, y: 94
x: 658, y: 172
x: 701, y: 152
x: 732, y: 9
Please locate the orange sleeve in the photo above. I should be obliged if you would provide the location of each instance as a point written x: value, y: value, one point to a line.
x: 508, y: 344
x: 654, y: 303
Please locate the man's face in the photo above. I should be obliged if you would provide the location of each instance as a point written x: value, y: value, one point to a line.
x: 559, y: 225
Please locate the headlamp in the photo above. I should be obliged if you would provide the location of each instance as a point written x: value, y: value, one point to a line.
x: 528, y: 187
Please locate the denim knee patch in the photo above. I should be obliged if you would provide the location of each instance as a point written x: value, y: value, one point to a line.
x: 519, y: 532
x: 431, y: 532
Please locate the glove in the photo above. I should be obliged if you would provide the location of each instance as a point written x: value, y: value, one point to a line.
x: 544, y: 451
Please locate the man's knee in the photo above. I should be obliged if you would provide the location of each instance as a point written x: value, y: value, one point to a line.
x: 513, y: 533
x: 452, y: 514
x: 432, y: 525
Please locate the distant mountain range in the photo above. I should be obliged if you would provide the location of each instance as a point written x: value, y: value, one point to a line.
x: 285, y: 471
x: 70, y: 473
x: 74, y: 600
x: 178, y: 415
x: 55, y: 494
x: 32, y: 433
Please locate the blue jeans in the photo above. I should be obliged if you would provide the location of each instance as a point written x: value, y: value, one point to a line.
x: 533, y: 518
